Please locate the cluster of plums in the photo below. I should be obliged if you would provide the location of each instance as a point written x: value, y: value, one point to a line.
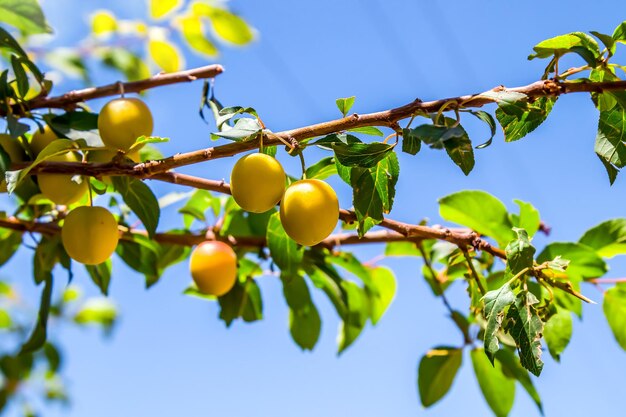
x: 308, y: 208
x: 308, y: 212
x: 89, y: 234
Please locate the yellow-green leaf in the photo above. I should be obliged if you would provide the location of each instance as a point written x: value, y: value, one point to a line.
x: 103, y: 22
x: 192, y: 30
x: 160, y: 8
x: 226, y: 25
x: 166, y: 55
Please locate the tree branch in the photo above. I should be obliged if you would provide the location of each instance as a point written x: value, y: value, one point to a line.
x: 386, y: 118
x: 70, y: 99
x: 463, y: 238
x: 192, y: 239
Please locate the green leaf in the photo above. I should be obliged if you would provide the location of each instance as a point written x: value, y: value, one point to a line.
x: 285, y: 252
x: 367, y: 130
x: 25, y: 15
x: 53, y: 357
x: 45, y: 258
x: 619, y: 34
x: 450, y: 136
x: 460, y: 150
x: 558, y: 332
x: 610, y: 146
x: 8, y: 41
x: 489, y: 120
x: 322, y: 169
x: 436, y: 373
x: 326, y: 278
x: 100, y: 311
x: 498, y: 389
x: 226, y: 25
x: 345, y: 104
x: 304, y: 320
x: 607, y: 40
x: 10, y: 241
x: 402, y: 249
x: 374, y: 191
x: 5, y: 320
x: 608, y: 238
x: 436, y: 135
x: 380, y: 289
x: 127, y: 62
x: 363, y: 155
x: 479, y: 211
x: 39, y: 334
x: 368, y: 204
x: 584, y: 262
x: 56, y: 147
x: 20, y: 75
x: 526, y: 328
x: 69, y: 62
x: 140, y: 199
x: 614, y: 307
x: 243, y: 300
x: 576, y: 42
x: 142, y: 255
x: 411, y: 143
x: 519, y: 252
x: 357, y: 313
x: 528, y: 218
x: 604, y: 101
x: 101, y: 275
x: 512, y: 368
x: 496, y: 301
x: 197, y: 205
x: 244, y: 129
x: 227, y: 113
x: 161, y: 8
x: 519, y: 118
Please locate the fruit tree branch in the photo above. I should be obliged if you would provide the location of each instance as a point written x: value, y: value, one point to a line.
x: 192, y: 239
x: 463, y: 238
x: 386, y: 118
x: 70, y: 99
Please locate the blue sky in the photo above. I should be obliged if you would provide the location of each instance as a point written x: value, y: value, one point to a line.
x: 170, y: 355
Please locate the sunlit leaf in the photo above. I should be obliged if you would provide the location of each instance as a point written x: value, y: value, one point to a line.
x: 166, y: 55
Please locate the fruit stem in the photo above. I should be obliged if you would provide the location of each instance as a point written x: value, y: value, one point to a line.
x: 261, y: 142
x: 90, y: 193
x: 120, y: 85
x: 302, y: 164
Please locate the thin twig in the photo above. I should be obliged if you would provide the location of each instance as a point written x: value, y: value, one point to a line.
x: 472, y: 269
x: 72, y: 98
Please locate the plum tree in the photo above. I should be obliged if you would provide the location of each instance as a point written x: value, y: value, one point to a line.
x: 520, y: 297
